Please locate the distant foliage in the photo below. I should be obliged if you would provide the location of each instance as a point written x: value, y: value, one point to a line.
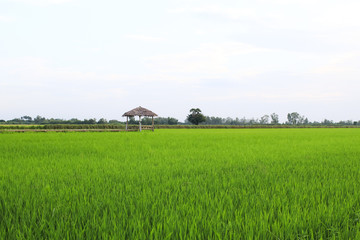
x: 195, y: 116
x: 102, y: 121
x: 274, y: 118
x: 159, y: 121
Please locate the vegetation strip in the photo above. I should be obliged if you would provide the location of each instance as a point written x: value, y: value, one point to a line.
x: 121, y: 128
x: 67, y: 130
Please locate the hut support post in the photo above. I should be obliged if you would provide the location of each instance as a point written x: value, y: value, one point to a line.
x: 140, y: 123
x: 152, y: 123
x: 127, y: 118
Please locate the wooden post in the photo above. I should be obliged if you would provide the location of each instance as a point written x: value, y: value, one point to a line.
x: 126, y: 123
x: 140, y: 123
x: 152, y: 123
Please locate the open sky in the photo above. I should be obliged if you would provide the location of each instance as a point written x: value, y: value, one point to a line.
x: 93, y: 59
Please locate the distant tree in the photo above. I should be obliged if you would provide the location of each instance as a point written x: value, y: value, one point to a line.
x: 296, y: 118
x: 327, y: 122
x: 243, y: 121
x: 236, y: 121
x: 114, y: 121
x: 274, y: 118
x: 301, y: 120
x: 146, y: 121
x: 253, y: 121
x: 195, y: 116
x: 315, y: 123
x: 229, y: 121
x: 2, y: 121
x: 89, y: 121
x: 26, y: 118
x: 347, y: 122
x: 172, y: 121
x: 39, y: 120
x: 92, y: 121
x: 160, y: 121
x: 55, y: 121
x: 293, y: 118
x: 133, y: 121
x: 214, y: 120
x: 75, y: 121
x: 264, y: 119
x: 102, y: 121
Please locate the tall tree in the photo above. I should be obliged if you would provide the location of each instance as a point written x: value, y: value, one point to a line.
x: 274, y: 118
x: 293, y: 118
x: 26, y: 118
x: 195, y: 116
x: 264, y: 119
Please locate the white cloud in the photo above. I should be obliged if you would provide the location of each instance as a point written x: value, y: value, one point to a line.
x: 304, y: 96
x: 310, y: 14
x: 31, y: 72
x: 38, y: 72
x: 341, y: 15
x: 6, y: 19
x: 210, y: 59
x: 33, y: 84
x: 230, y: 13
x: 345, y: 65
x: 144, y: 38
x: 42, y: 2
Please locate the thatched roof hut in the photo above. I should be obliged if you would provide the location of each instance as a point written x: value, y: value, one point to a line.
x: 140, y: 111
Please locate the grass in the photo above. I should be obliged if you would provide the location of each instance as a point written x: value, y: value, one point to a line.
x: 181, y: 184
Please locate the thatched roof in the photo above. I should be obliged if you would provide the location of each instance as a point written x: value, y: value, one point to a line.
x: 139, y: 111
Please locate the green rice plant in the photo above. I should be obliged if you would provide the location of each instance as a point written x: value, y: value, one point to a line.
x: 181, y: 184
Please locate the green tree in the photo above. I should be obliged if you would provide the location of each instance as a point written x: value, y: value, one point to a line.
x: 195, y: 116
x: 172, y: 121
x: 264, y: 119
x: 133, y: 121
x: 293, y: 118
x: 26, y: 118
x: 146, y: 121
x: 274, y: 118
x: 102, y: 121
x: 114, y: 121
x: 39, y: 120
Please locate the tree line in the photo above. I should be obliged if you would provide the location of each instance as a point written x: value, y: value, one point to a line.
x: 38, y: 120
x: 195, y: 117
x: 266, y: 121
x: 294, y: 118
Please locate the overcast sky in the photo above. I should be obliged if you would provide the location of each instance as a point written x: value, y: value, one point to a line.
x: 93, y: 59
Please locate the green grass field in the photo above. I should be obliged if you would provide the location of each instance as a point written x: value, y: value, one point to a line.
x: 181, y: 184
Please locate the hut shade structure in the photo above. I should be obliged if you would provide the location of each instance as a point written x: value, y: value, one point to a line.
x: 140, y: 112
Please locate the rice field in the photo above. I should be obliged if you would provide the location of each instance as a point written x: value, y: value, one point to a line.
x: 181, y: 184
